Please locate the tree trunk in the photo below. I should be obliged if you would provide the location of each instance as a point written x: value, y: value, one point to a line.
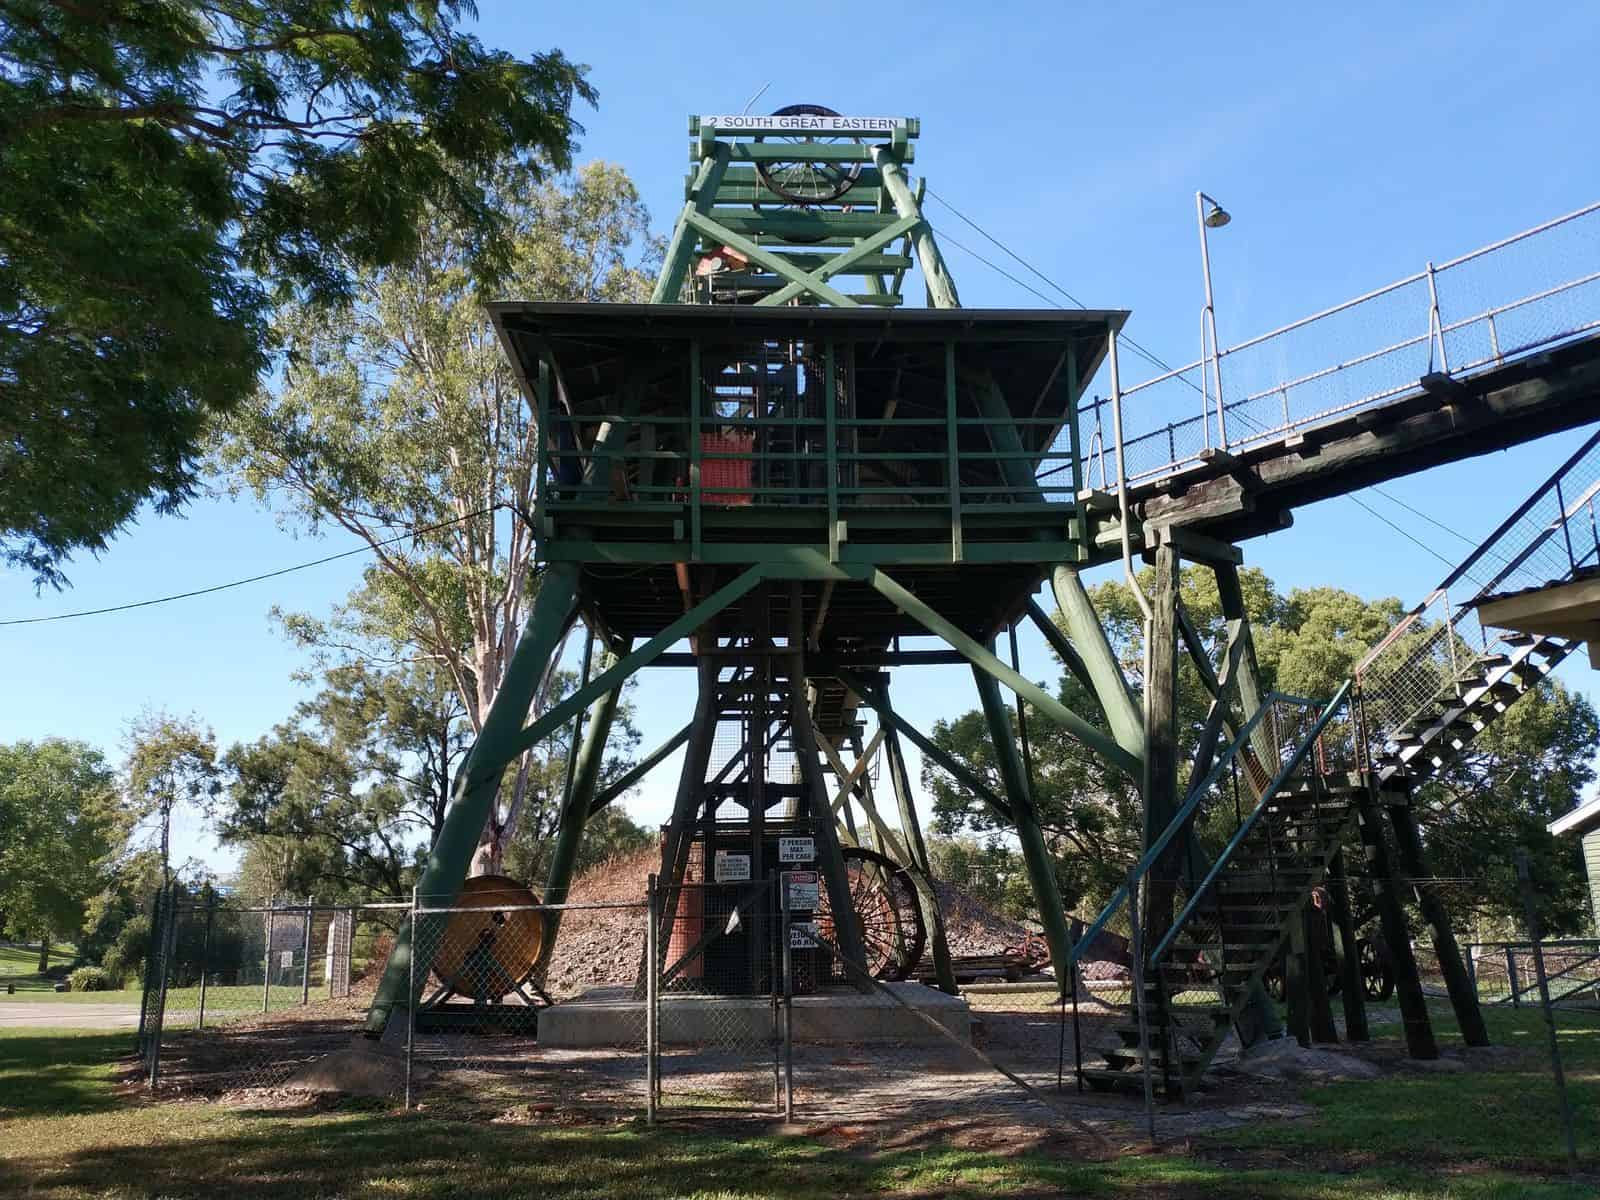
x: 44, y: 952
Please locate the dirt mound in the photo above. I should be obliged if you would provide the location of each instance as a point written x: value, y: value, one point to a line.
x: 606, y: 946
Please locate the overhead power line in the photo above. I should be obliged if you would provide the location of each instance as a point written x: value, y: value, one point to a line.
x: 1159, y: 363
x: 234, y: 583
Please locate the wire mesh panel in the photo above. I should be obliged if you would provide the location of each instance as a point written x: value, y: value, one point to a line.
x: 541, y: 1008
x: 244, y: 997
x: 1503, y: 973
x: 720, y: 989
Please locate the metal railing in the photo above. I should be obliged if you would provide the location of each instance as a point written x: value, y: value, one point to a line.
x: 1553, y: 536
x: 1518, y: 295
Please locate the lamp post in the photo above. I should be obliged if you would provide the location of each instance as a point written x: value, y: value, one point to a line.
x: 1210, y: 215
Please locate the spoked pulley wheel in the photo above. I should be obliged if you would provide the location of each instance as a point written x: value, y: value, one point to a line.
x: 885, y: 900
x: 1377, y: 977
x: 801, y: 181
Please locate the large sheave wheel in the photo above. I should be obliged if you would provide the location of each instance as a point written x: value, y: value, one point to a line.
x: 1377, y: 976
x: 885, y: 900
x: 801, y: 181
x: 486, y: 950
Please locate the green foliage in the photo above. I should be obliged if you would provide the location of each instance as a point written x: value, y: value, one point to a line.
x: 92, y: 979
x: 172, y: 762
x: 116, y: 927
x: 399, y: 415
x: 989, y: 871
x: 60, y: 824
x: 172, y: 168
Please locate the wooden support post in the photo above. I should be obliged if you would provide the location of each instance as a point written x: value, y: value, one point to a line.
x: 1420, y: 1042
x: 1352, y: 989
x: 1319, y: 1005
x: 1035, y: 854
x: 1463, y: 996
x: 1295, y: 983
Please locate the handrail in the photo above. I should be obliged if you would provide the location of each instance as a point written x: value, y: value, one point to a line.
x: 1483, y: 548
x: 1196, y: 795
x: 1278, y: 780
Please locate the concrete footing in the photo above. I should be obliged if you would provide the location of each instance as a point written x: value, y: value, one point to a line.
x: 610, y: 1016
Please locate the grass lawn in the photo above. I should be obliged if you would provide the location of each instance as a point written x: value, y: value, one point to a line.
x: 19, y: 965
x: 236, y: 1000
x: 65, y: 1131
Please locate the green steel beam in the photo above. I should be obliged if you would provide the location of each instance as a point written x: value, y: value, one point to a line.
x: 1088, y: 636
x: 1035, y: 854
x: 575, y: 813
x: 979, y: 657
x: 478, y: 781
x: 958, y: 771
x: 1065, y: 650
x: 618, y: 672
x: 840, y: 263
x: 718, y: 232
x: 640, y: 769
x: 675, y: 266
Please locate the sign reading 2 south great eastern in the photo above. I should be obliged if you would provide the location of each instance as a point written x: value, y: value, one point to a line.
x: 803, y: 123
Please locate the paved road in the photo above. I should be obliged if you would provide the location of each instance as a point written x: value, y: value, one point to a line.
x: 58, y: 1015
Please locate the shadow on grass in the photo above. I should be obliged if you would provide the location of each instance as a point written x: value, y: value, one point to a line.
x: 60, y: 1072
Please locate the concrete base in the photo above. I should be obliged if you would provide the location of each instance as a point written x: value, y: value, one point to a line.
x: 610, y: 1016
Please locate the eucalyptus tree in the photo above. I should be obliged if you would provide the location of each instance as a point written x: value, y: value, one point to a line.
x: 173, y: 169
x: 397, y: 419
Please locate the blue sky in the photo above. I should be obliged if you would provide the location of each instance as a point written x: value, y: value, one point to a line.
x: 1351, y: 144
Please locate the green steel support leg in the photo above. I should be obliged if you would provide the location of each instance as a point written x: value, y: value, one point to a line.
x: 478, y: 781
x: 1035, y: 854
x: 675, y: 266
x: 922, y: 865
x: 1099, y: 660
x: 1420, y: 1042
x: 691, y: 783
x: 574, y: 816
x: 941, y: 288
x: 1463, y: 996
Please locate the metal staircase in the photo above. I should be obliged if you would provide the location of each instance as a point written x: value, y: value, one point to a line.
x: 1417, y: 700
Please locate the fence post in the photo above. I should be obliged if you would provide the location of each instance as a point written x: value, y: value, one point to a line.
x: 169, y: 937
x: 1511, y: 976
x: 1525, y: 885
x: 1139, y: 1002
x: 788, y: 1001
x: 652, y: 968
x: 411, y: 999
x: 205, y: 953
x: 1435, y: 324
x: 266, y: 954
x: 156, y: 906
x: 305, y: 958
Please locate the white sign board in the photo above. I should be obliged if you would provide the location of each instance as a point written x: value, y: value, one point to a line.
x: 797, y: 849
x: 731, y: 868
x: 803, y: 935
x: 800, y: 123
x: 803, y: 891
x: 286, y: 959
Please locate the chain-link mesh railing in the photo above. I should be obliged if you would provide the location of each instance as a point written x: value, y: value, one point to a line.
x: 241, y: 996
x: 1441, y: 653
x: 1484, y: 308
x: 1503, y: 973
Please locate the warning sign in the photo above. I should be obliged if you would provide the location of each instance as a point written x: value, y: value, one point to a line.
x: 803, y: 891
x: 803, y: 935
x: 797, y: 849
x: 731, y: 868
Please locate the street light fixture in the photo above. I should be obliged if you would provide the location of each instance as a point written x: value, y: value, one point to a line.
x: 1210, y: 215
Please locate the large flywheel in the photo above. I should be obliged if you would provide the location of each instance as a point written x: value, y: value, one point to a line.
x: 885, y: 900
x: 493, y: 943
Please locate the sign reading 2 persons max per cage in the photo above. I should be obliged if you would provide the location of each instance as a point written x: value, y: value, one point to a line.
x: 797, y: 849
x: 801, y: 123
x: 804, y: 895
x: 730, y: 868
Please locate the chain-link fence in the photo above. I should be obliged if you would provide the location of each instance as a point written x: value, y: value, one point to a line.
x: 242, y: 996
